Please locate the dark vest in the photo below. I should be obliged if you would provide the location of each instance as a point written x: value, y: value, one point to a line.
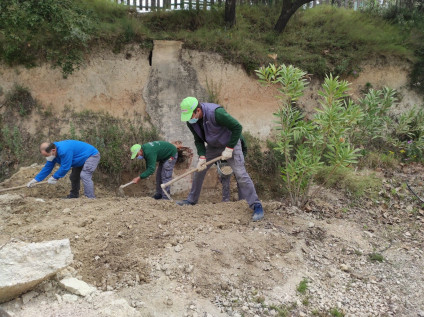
x: 215, y: 135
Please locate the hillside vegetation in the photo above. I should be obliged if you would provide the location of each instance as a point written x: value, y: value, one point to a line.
x: 319, y: 40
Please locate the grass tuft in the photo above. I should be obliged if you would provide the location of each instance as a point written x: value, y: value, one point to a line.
x: 303, y: 286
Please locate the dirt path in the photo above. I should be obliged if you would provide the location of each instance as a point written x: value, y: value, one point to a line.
x: 153, y: 258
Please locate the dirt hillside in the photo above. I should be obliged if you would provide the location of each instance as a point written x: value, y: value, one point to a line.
x: 154, y: 258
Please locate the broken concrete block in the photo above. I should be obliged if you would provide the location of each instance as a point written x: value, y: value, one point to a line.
x: 24, y: 265
x: 77, y: 286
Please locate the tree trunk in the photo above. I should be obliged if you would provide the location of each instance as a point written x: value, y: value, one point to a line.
x: 230, y: 12
x: 289, y: 8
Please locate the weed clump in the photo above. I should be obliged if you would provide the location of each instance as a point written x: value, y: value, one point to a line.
x: 376, y: 257
x: 303, y: 286
x: 20, y: 100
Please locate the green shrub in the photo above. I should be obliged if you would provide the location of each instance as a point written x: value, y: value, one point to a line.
x: 58, y: 31
x: 373, y: 127
x: 112, y: 137
x: 309, y: 145
x: 20, y: 100
x: 319, y: 40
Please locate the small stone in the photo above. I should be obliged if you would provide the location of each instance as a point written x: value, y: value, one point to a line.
x: 168, y: 302
x: 28, y: 296
x: 178, y: 248
x: 66, y: 210
x: 311, y: 225
x: 344, y: 268
x: 69, y: 298
x: 189, y: 268
x: 77, y: 286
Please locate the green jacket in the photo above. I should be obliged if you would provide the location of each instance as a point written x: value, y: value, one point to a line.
x: 156, y: 151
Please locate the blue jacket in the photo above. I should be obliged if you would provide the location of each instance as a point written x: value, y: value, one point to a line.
x: 70, y: 153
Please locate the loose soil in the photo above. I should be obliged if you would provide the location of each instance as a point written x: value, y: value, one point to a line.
x: 154, y: 258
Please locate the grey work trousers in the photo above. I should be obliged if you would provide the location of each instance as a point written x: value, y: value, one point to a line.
x: 247, y: 190
x: 84, y: 173
x: 226, y: 189
x: 164, y: 175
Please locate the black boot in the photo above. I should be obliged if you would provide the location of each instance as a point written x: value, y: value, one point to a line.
x: 157, y: 196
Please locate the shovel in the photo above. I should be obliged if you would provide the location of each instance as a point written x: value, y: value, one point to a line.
x: 22, y: 186
x: 163, y: 186
x: 121, y: 188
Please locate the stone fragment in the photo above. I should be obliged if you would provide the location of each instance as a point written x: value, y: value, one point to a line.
x: 28, y: 296
x: 77, y: 286
x: 69, y: 298
x: 24, y: 265
x: 344, y: 268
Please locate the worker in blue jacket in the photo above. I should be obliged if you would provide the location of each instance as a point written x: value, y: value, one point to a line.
x: 80, y: 156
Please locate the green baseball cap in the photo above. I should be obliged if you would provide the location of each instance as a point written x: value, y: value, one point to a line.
x: 187, y: 107
x: 134, y: 150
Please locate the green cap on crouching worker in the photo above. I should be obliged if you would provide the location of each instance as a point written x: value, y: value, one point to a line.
x: 187, y: 107
x: 134, y: 150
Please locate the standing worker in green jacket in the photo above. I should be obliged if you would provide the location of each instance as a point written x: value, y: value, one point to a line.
x: 211, y: 124
x: 157, y: 151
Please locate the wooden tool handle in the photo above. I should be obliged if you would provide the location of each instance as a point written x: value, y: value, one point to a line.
x: 123, y: 186
x: 189, y: 172
x: 22, y: 186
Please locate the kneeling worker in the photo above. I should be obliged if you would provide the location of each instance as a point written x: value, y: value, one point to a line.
x: 157, y: 151
x: 82, y: 157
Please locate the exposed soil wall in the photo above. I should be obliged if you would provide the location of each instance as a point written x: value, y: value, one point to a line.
x: 122, y: 83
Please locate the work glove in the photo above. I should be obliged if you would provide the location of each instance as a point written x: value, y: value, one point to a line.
x: 201, y: 164
x: 52, y: 180
x: 32, y: 183
x: 227, y: 154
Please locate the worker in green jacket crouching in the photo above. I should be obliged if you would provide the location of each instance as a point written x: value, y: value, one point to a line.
x: 157, y: 151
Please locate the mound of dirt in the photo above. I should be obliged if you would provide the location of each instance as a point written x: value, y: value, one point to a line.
x: 161, y: 259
